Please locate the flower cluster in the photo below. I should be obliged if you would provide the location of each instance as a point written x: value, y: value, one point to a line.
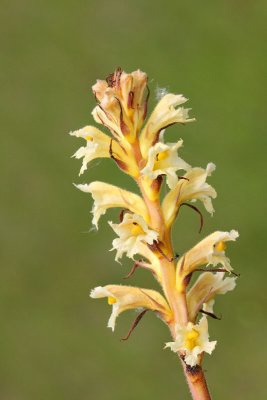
x: 136, y: 144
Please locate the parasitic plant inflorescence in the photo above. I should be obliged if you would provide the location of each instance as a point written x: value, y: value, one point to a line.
x: 137, y: 146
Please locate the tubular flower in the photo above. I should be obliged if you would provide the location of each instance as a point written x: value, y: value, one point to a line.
x: 202, y: 293
x: 108, y: 196
x: 122, y: 103
x: 163, y: 160
x: 192, y: 340
x: 164, y: 115
x: 210, y: 250
x: 133, y: 234
x: 97, y: 146
x: 192, y: 187
x: 124, y: 298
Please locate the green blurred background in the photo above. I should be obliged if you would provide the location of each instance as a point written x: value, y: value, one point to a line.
x: 54, y: 341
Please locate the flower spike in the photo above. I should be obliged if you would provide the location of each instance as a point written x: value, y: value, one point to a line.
x: 136, y: 144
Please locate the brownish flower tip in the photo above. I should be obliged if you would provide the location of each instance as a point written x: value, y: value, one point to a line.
x: 113, y: 79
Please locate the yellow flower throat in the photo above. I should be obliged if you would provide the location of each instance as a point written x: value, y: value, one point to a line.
x: 111, y: 300
x: 191, y: 339
x: 220, y: 246
x: 159, y: 157
x: 136, y: 229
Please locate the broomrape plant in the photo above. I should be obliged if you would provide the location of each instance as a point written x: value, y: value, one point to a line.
x: 137, y: 146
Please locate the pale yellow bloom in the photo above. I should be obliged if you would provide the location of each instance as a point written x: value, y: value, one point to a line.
x: 210, y: 250
x: 124, y: 298
x: 108, y: 196
x: 122, y: 104
x: 100, y: 145
x: 163, y: 160
x: 133, y: 234
x: 193, y: 340
x: 192, y: 187
x: 97, y: 146
x: 201, y: 294
x: 165, y: 114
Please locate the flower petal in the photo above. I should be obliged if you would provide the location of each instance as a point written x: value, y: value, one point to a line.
x: 192, y: 340
x: 128, y: 297
x: 208, y: 251
x: 97, y: 146
x: 108, y: 196
x: 133, y: 232
x: 192, y: 187
x: 163, y: 160
x: 207, y: 286
x: 164, y: 114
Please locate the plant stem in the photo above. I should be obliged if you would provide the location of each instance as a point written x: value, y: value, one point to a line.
x: 196, y: 382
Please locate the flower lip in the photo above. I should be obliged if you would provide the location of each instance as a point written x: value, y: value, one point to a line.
x: 206, y: 253
x: 202, y: 294
x: 193, y: 340
x: 164, y: 160
x: 192, y: 187
x: 134, y: 235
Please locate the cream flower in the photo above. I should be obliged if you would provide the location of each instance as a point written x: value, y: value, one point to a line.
x: 133, y: 234
x: 97, y: 146
x: 122, y: 103
x: 192, y: 340
x: 164, y: 115
x: 163, y: 160
x: 210, y: 250
x: 192, y: 187
x: 108, y: 196
x: 207, y: 286
x: 124, y: 298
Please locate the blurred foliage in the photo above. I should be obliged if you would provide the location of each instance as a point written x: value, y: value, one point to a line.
x: 54, y: 343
